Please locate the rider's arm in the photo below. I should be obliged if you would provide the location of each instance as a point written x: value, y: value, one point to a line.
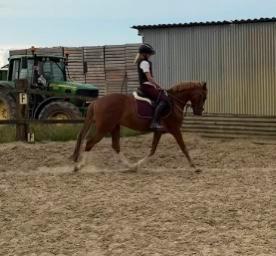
x: 146, y: 69
x: 150, y: 79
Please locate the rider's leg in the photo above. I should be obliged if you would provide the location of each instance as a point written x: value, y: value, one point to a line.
x: 158, y: 111
x: 158, y: 97
x: 150, y: 91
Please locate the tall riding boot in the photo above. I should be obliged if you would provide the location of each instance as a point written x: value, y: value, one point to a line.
x: 155, y: 124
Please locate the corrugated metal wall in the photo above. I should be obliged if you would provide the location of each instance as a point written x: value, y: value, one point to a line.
x: 238, y: 61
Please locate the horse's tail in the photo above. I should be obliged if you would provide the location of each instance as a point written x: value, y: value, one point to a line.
x: 84, y: 130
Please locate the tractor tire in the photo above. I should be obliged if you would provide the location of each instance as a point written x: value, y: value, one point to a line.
x: 7, y: 107
x: 60, y: 110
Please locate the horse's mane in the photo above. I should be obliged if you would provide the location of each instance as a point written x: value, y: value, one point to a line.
x: 187, y: 85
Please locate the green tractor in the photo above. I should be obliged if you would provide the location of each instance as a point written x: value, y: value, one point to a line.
x: 48, y: 77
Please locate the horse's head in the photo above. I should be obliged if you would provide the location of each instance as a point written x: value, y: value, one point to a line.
x: 198, y: 97
x: 194, y: 91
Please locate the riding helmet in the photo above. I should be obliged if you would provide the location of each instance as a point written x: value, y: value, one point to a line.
x: 146, y: 48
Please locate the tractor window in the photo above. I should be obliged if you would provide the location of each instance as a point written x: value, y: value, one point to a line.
x: 15, y: 69
x: 30, y: 70
x: 53, y: 71
x: 26, y: 73
x: 30, y: 66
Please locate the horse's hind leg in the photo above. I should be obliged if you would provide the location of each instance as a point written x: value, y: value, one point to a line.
x: 91, y: 142
x: 115, y: 135
x: 84, y: 130
x: 156, y: 138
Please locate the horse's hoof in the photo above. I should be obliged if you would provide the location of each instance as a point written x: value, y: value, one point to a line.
x: 76, y: 169
x: 197, y: 170
x: 131, y: 170
x: 135, y: 169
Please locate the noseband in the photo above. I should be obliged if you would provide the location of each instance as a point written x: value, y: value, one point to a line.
x: 183, y: 103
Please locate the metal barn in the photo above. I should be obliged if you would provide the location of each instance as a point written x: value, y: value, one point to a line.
x: 236, y: 58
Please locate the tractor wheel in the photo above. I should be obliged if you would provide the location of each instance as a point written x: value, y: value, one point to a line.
x: 7, y: 107
x: 61, y: 110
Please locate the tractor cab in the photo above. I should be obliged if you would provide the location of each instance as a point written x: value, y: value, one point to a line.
x: 38, y: 70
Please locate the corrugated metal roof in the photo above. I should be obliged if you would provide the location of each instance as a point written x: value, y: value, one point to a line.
x: 207, y: 23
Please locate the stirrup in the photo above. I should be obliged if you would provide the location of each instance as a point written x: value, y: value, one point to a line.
x: 156, y: 126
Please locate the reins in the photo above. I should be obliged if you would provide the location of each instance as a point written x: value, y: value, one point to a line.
x: 181, y: 102
x: 177, y: 99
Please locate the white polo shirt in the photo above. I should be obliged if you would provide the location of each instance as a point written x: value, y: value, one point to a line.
x: 145, y: 66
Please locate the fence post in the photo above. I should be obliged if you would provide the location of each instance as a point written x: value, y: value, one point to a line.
x: 22, y: 125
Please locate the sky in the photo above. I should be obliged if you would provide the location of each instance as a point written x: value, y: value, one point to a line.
x: 46, y: 23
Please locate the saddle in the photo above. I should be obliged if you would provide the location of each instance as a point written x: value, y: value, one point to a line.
x: 144, y: 106
x: 139, y: 95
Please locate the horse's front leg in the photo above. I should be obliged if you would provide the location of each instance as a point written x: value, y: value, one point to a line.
x: 155, y: 141
x: 179, y: 139
x: 156, y: 138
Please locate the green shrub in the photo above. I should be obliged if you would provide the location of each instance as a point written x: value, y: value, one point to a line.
x: 7, y: 133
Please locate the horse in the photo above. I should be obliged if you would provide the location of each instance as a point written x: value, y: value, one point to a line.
x: 112, y: 111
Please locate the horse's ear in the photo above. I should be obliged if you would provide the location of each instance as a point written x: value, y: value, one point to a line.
x: 204, y: 86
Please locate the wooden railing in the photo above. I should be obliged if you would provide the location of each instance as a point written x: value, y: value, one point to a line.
x: 23, y: 121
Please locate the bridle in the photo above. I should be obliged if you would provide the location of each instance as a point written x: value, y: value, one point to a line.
x: 186, y: 106
x: 181, y: 102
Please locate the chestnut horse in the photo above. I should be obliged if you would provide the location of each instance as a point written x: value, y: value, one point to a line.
x: 110, y: 112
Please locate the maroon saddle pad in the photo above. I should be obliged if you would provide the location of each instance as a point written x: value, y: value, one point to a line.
x: 144, y: 109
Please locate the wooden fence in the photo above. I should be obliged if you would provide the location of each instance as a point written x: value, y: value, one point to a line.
x: 22, y: 120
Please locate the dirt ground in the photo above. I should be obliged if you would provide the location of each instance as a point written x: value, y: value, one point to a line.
x: 163, y: 209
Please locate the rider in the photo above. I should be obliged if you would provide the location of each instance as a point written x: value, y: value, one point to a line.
x: 149, y: 86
